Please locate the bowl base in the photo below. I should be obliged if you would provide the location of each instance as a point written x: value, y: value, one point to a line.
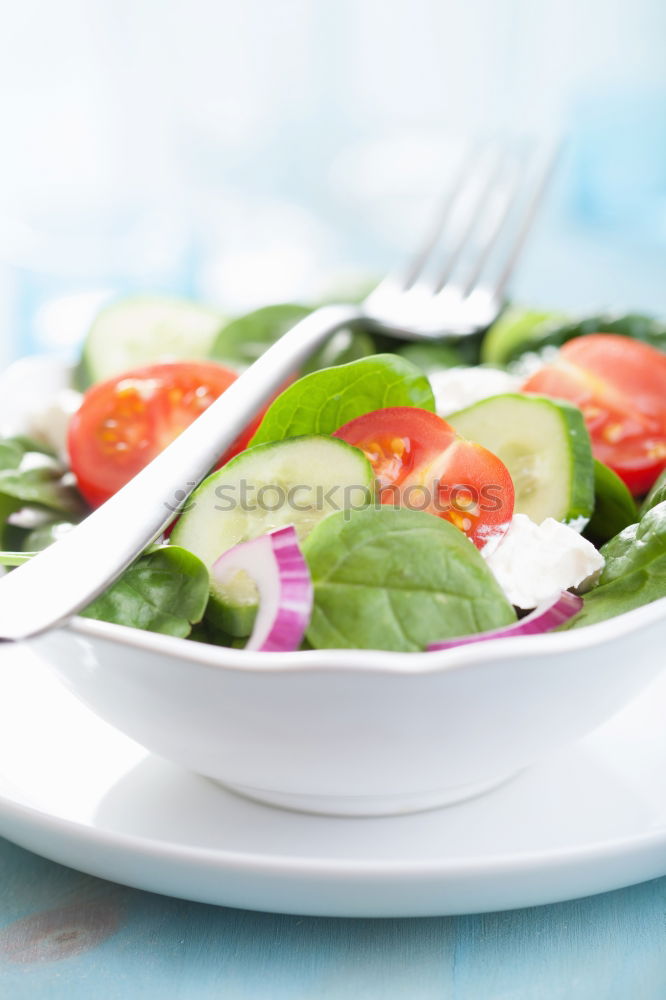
x: 368, y: 805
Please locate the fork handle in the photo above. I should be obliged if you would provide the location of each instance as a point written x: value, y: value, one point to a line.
x: 68, y: 575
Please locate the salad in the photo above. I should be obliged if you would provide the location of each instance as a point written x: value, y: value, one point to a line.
x: 410, y: 499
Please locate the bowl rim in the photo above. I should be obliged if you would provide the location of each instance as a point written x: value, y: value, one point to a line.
x: 497, y: 650
x: 357, y: 660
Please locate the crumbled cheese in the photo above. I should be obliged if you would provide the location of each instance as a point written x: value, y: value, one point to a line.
x: 456, y: 388
x: 534, y: 562
x: 51, y: 423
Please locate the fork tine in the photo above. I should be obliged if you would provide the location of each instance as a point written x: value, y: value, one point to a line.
x: 544, y: 171
x: 420, y: 260
x: 498, y: 217
x: 473, y: 212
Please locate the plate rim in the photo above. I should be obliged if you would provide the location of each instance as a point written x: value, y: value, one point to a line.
x: 493, y: 864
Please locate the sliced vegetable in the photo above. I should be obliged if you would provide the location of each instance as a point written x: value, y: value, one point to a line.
x: 620, y: 385
x: 125, y: 422
x: 245, y: 339
x: 392, y: 578
x: 146, y: 331
x: 299, y: 482
x: 165, y: 591
x: 276, y: 565
x: 635, y: 571
x: 545, y: 447
x: 614, y: 506
x: 323, y: 401
x: 421, y: 463
x: 519, y: 330
x: 545, y: 618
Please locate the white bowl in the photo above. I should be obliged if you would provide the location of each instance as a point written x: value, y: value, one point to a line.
x: 355, y: 732
x: 351, y: 731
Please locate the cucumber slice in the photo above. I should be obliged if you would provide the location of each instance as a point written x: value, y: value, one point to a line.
x: 546, y: 448
x: 232, y: 608
x: 298, y: 481
x: 145, y: 331
x: 614, y: 507
x: 517, y: 330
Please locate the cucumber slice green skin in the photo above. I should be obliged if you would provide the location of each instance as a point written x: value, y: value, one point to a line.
x: 142, y: 331
x: 325, y: 475
x: 614, y: 506
x: 224, y: 614
x: 545, y: 446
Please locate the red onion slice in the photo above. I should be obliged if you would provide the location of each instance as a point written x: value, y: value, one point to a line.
x: 276, y: 564
x: 544, y: 618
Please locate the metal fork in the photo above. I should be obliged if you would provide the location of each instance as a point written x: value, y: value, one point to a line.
x: 481, y: 227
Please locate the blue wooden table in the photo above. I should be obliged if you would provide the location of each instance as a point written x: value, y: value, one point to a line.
x: 65, y: 936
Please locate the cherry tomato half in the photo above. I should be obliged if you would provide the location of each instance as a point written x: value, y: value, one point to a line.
x: 420, y: 462
x: 620, y: 385
x: 125, y: 422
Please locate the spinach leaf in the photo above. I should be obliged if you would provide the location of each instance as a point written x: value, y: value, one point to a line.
x: 614, y: 506
x: 393, y: 578
x: 432, y: 357
x: 46, y: 534
x: 8, y: 506
x: 30, y: 475
x: 42, y: 487
x: 244, y: 339
x: 322, y: 402
x: 11, y: 453
x: 165, y: 591
x: 634, y: 574
x: 15, y: 558
x: 656, y: 495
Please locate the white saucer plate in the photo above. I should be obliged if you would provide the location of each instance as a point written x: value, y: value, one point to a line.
x: 590, y: 819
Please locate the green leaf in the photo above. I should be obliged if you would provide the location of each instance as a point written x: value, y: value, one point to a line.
x: 31, y: 476
x: 46, y: 534
x: 614, y: 506
x: 432, y: 357
x: 393, y: 578
x: 322, y: 402
x: 42, y: 487
x: 518, y: 331
x: 15, y: 558
x: 656, y: 495
x: 166, y: 591
x: 8, y: 506
x: 634, y: 574
x: 244, y: 339
x: 11, y: 454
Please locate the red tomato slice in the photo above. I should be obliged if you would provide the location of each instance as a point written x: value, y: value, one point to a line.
x: 125, y: 422
x: 620, y: 385
x: 420, y: 462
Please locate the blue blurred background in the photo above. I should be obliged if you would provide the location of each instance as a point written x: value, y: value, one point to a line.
x: 251, y: 152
